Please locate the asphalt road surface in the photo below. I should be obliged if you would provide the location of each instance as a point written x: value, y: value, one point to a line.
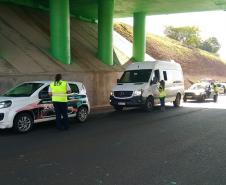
x: 181, y: 146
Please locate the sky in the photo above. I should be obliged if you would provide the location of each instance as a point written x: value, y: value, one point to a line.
x: 210, y: 24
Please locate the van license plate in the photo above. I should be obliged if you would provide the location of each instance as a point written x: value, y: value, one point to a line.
x: 121, y: 103
x: 188, y: 96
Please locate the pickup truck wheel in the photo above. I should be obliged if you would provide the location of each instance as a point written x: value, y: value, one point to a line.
x: 176, y: 102
x: 23, y: 122
x: 215, y: 98
x: 82, y: 114
x: 118, y: 108
x: 202, y: 98
x: 149, y: 104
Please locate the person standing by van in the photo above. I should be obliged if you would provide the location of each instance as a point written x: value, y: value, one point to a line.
x: 58, y: 90
x: 162, y: 94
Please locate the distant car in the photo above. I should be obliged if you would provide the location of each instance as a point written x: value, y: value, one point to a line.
x: 221, y: 88
x: 199, y: 92
x: 29, y: 103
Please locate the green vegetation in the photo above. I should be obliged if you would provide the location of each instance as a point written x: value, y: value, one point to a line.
x: 211, y: 45
x: 189, y: 35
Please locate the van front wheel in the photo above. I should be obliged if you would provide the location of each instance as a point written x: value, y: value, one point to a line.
x: 149, y: 104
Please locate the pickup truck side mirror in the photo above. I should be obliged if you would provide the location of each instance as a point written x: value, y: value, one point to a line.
x: 43, y: 95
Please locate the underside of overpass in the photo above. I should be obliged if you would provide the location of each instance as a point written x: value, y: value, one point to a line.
x: 40, y: 38
x: 125, y: 8
x: 103, y: 11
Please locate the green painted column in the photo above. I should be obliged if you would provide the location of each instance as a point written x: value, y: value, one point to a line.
x: 139, y: 38
x: 60, y: 30
x: 105, y: 30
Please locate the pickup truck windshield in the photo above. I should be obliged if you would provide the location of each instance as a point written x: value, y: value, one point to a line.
x: 198, y: 87
x: 23, y: 90
x: 136, y: 76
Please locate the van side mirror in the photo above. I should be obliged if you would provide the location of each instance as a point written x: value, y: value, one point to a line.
x: 154, y: 81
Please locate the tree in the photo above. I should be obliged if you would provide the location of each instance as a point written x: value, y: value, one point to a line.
x: 211, y: 45
x: 188, y: 35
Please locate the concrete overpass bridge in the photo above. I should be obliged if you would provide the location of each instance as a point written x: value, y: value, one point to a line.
x: 101, y: 12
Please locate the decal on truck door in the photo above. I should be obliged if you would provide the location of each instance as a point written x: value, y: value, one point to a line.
x: 44, y: 109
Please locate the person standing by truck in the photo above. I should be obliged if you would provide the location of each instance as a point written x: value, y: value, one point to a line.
x: 215, y: 89
x: 162, y: 94
x: 58, y: 90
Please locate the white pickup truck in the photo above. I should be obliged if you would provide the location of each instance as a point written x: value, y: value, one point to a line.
x: 29, y: 103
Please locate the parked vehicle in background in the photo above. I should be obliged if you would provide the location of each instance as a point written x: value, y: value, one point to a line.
x: 199, y: 92
x: 221, y: 88
x: 29, y: 103
x: 138, y: 86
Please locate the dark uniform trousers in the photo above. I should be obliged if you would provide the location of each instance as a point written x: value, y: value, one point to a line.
x: 61, y: 111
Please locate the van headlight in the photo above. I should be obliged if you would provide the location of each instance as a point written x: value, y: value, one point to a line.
x: 137, y: 93
x: 5, y: 104
x: 111, y: 93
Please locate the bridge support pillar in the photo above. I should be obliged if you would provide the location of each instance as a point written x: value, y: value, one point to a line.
x: 105, y: 31
x: 60, y: 30
x: 139, y: 38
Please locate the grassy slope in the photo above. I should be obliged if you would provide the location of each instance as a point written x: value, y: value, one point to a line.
x: 197, y: 64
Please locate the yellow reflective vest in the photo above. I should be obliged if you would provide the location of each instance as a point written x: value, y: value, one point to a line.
x: 59, y: 91
x: 162, y: 92
x: 215, y: 88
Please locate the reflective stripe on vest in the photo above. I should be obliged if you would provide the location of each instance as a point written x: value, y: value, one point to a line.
x: 59, y: 91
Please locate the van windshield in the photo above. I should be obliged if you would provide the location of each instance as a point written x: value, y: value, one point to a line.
x: 136, y: 76
x: 23, y: 90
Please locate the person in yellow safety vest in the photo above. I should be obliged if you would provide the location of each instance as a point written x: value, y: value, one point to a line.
x: 58, y: 91
x: 162, y: 95
x: 215, y: 89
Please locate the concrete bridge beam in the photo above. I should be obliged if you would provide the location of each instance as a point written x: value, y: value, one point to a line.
x: 105, y: 31
x: 139, y: 37
x: 60, y: 30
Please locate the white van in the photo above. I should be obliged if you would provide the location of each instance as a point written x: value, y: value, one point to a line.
x: 138, y: 85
